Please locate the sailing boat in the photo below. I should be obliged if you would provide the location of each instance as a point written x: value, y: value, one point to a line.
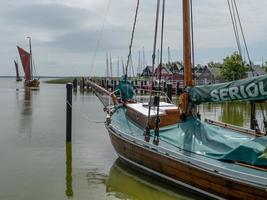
x: 17, y: 71
x: 27, y: 63
x: 210, y: 158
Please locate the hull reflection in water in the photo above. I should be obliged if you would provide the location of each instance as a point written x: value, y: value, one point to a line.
x: 125, y: 183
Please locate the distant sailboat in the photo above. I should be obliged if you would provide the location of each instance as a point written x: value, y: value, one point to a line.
x: 17, y: 71
x: 26, y: 60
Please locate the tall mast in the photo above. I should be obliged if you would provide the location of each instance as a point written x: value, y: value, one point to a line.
x: 107, y: 66
x: 144, y: 59
x: 169, y: 56
x: 187, y: 44
x: 184, y: 98
x: 110, y: 65
x: 118, y: 67
x: 30, y: 44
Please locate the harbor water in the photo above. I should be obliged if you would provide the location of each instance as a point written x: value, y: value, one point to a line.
x: 36, y: 163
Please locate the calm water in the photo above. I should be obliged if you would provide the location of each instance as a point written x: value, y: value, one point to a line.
x: 33, y: 150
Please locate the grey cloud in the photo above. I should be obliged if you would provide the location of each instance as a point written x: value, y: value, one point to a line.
x: 48, y: 16
x: 85, y: 40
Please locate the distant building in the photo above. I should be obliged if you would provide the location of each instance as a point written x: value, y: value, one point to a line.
x: 174, y: 68
x: 257, y: 71
x: 166, y: 74
x: 209, y: 76
x: 147, y: 72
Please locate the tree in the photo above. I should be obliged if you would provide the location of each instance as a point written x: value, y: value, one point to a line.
x: 233, y: 67
x: 214, y: 65
x: 264, y: 66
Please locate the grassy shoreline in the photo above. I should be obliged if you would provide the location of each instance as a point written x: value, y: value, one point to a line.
x: 61, y: 80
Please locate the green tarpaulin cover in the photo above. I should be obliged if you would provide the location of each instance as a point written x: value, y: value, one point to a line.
x: 246, y: 89
x: 204, y: 139
x: 126, y: 89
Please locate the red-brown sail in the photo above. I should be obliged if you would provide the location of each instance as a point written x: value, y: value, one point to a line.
x: 17, y: 70
x: 25, y: 58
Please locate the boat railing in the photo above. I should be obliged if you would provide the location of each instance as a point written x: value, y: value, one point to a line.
x: 147, y: 92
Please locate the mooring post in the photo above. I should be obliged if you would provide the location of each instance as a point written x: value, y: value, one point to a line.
x: 164, y: 86
x: 142, y: 84
x: 68, y: 112
x: 75, y: 83
x: 252, y: 115
x: 169, y: 92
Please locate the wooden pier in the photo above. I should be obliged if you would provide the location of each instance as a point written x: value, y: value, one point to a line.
x: 141, y: 86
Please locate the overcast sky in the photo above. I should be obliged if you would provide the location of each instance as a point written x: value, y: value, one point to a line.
x: 72, y: 37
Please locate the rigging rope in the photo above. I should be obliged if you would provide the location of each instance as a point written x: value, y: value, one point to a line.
x: 132, y: 36
x: 192, y: 37
x: 99, y: 37
x: 153, y: 67
x: 156, y: 138
x: 234, y: 27
x: 244, y: 39
x: 234, y: 17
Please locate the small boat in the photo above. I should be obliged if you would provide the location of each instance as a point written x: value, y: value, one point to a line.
x: 27, y: 63
x: 17, y: 71
x: 211, y: 158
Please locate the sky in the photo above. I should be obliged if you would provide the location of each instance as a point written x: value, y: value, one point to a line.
x: 72, y: 37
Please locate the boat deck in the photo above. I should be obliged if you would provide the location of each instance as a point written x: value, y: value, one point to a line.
x: 143, y: 108
x: 205, y: 145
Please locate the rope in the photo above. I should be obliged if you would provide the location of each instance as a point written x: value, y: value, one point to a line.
x: 132, y: 36
x: 244, y: 39
x: 153, y: 61
x: 100, y: 36
x: 160, y: 68
x: 234, y: 27
x: 235, y: 14
x: 83, y: 115
x: 192, y: 37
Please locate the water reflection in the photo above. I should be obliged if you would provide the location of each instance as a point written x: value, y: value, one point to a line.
x: 26, y: 113
x: 26, y: 105
x: 125, y: 183
x: 235, y: 113
x: 69, y: 190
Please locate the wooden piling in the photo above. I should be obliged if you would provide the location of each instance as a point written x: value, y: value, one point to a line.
x: 142, y: 84
x: 68, y: 112
x: 75, y: 83
x: 169, y: 92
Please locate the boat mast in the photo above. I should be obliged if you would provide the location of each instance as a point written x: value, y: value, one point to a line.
x: 187, y: 44
x: 30, y: 54
x: 186, y: 54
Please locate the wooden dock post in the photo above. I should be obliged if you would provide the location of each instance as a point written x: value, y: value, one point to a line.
x: 68, y: 112
x: 82, y: 83
x: 75, y: 83
x: 164, y: 86
x: 141, y: 88
x: 169, y: 92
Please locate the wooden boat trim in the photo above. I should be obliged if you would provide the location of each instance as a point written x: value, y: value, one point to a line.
x: 250, y: 166
x: 217, y: 170
x: 233, y: 127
